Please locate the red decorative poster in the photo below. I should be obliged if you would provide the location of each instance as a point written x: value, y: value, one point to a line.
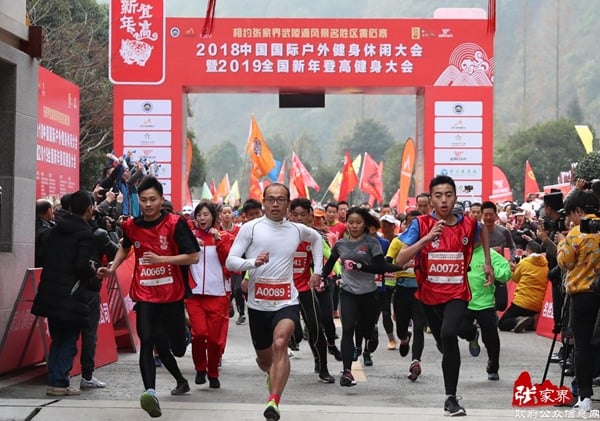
x: 137, y: 50
x: 57, y: 136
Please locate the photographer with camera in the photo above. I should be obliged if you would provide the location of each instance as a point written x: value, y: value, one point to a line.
x: 578, y: 257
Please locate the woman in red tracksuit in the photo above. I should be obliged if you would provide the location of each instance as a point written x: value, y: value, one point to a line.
x: 208, y: 307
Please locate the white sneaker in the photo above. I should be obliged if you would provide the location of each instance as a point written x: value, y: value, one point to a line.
x: 290, y: 353
x: 584, y: 405
x: 94, y: 383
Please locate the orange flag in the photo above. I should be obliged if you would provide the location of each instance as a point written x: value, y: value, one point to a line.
x: 349, y: 178
x: 406, y: 171
x: 370, y: 178
x: 254, y: 190
x: 223, y: 187
x: 530, y: 185
x: 185, y: 187
x: 261, y: 158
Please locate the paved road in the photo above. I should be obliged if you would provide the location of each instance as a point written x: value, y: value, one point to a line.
x: 383, y: 391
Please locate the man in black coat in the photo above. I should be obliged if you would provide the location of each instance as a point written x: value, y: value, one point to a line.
x: 68, y: 269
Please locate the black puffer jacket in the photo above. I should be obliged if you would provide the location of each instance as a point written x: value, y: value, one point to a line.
x: 67, y: 272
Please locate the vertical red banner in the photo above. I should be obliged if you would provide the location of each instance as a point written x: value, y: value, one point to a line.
x: 57, y: 155
x: 137, y: 42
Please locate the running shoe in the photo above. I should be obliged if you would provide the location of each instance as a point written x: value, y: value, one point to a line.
x: 272, y: 411
x: 182, y: 388
x: 214, y: 383
x: 149, y: 403
x: 392, y: 344
x: 347, y: 379
x: 200, y: 377
x: 414, y: 370
x: 493, y: 376
x: 373, y: 341
x: 357, y: 352
x: 333, y: 350
x: 524, y: 323
x: 452, y: 408
x: 405, y: 345
x: 325, y: 377
x: 583, y: 405
x: 367, y: 360
x: 241, y: 320
x: 92, y: 383
x: 474, y: 347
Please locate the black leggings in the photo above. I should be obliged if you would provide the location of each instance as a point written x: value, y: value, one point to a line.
x: 488, y: 322
x: 311, y: 313
x: 385, y: 304
x: 238, y: 294
x: 160, y: 326
x: 444, y: 321
x: 406, y: 308
x: 326, y: 304
x: 357, y: 312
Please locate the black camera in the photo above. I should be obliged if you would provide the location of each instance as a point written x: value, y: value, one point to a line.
x: 589, y: 225
x: 559, y: 225
x: 526, y: 232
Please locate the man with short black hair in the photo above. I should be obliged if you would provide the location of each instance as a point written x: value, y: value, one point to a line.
x: 265, y: 247
x: 68, y: 267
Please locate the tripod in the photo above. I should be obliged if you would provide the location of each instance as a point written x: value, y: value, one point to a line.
x: 566, y: 338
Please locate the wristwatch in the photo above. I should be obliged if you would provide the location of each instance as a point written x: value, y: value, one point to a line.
x: 358, y: 266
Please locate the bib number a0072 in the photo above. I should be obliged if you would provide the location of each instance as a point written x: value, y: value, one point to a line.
x: 272, y: 290
x: 445, y: 267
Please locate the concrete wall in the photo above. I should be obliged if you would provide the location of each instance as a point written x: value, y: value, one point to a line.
x: 18, y: 133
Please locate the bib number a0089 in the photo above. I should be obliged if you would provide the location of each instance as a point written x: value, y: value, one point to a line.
x: 272, y: 290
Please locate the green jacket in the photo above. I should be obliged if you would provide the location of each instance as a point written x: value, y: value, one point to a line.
x: 483, y: 296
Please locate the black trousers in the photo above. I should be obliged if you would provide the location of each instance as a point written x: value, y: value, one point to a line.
x: 407, y: 308
x: 311, y: 313
x: 357, y: 312
x: 488, y: 321
x: 160, y: 325
x: 444, y: 321
x: 89, y: 335
x: 584, y: 311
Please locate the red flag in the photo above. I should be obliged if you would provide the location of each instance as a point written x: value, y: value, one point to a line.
x: 394, y: 200
x: 501, y: 191
x: 213, y: 190
x: 349, y: 178
x: 297, y: 186
x: 281, y: 176
x: 261, y: 158
x: 254, y: 190
x: 307, y: 179
x: 530, y: 185
x: 370, y: 178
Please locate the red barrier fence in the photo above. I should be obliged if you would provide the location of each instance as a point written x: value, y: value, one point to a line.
x: 26, y: 340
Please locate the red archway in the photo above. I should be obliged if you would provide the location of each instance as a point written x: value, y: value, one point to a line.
x: 447, y: 63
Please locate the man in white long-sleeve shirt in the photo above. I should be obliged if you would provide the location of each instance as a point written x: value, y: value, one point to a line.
x: 268, y: 245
